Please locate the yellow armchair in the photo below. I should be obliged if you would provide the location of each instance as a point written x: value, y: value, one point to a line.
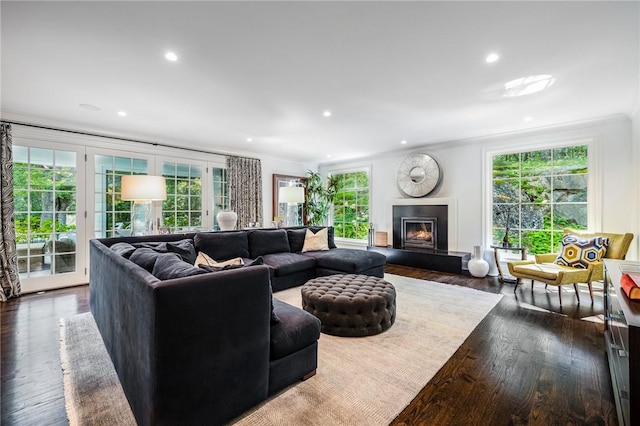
x: 544, y: 268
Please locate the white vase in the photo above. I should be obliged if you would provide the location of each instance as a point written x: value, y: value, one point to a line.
x: 227, y: 220
x: 478, y: 267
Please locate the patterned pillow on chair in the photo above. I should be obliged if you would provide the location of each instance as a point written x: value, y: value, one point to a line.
x: 578, y: 253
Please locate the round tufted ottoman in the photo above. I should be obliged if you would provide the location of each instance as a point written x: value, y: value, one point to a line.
x: 351, y: 305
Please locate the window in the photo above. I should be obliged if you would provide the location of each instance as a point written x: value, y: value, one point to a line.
x: 112, y: 215
x: 44, y: 185
x: 220, y: 193
x: 538, y: 193
x: 351, y: 204
x: 182, y: 210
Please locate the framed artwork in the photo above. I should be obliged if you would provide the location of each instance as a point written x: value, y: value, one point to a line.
x: 279, y: 209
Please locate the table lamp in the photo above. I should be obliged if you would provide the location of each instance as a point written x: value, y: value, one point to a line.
x: 142, y: 190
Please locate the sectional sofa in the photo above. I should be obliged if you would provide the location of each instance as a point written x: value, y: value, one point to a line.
x: 192, y: 346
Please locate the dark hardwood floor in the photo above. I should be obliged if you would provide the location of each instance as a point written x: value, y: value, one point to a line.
x: 529, y: 361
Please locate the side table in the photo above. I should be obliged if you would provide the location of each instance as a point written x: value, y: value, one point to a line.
x: 496, y: 249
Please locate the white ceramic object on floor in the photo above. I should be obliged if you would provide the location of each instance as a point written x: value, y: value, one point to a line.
x: 227, y: 220
x: 490, y: 257
x: 478, y: 267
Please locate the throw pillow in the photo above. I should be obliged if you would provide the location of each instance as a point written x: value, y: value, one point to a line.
x: 123, y: 249
x: 296, y: 239
x: 316, y: 242
x: 183, y: 248
x: 205, y: 259
x: 170, y: 265
x: 144, y: 257
x: 578, y: 253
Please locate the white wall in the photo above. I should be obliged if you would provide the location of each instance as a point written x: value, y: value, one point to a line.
x: 463, y: 174
x: 635, y: 141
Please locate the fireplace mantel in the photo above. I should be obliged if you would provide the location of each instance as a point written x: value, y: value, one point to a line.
x: 452, y: 213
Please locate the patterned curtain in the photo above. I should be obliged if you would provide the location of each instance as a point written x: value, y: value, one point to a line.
x: 244, y: 176
x: 9, y: 278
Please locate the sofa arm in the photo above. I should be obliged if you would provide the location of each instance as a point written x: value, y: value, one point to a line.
x: 212, y: 345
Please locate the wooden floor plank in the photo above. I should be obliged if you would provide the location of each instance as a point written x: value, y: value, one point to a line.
x: 529, y: 362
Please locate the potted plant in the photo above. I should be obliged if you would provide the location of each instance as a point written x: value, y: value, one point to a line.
x: 319, y: 198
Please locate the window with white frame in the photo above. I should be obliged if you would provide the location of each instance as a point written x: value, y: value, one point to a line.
x: 536, y: 194
x: 220, y: 193
x: 351, y: 204
x: 112, y: 215
x: 183, y: 208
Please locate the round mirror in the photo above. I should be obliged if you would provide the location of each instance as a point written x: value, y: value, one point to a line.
x: 417, y: 174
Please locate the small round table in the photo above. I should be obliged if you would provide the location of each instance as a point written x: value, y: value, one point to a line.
x: 350, y: 305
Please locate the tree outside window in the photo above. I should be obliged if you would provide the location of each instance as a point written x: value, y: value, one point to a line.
x: 351, y: 205
x: 537, y: 194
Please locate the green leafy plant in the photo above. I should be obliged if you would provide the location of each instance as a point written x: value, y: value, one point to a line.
x: 319, y: 198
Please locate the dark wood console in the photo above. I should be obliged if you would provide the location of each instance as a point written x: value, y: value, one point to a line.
x: 435, y: 260
x: 622, y: 336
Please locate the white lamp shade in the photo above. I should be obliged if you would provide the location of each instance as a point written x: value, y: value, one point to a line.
x: 143, y: 187
x: 291, y: 194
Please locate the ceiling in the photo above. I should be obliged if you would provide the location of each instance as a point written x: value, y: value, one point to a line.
x: 387, y: 71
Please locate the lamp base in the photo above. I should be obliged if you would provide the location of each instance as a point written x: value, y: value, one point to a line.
x: 141, y: 223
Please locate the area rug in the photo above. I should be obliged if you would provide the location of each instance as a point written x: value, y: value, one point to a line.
x: 367, y: 380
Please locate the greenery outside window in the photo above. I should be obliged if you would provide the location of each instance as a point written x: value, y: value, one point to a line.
x: 44, y: 191
x: 351, y: 204
x: 182, y: 210
x: 112, y: 214
x: 538, y: 193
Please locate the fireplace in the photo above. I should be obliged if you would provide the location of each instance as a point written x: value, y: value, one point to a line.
x: 419, y: 232
x: 428, y: 218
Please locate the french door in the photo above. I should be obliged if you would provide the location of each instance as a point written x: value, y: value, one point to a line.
x: 49, y: 214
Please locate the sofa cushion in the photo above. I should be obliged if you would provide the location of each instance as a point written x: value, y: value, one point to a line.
x: 288, y: 263
x: 222, y: 246
x: 144, y: 257
x: 297, y: 329
x: 123, y: 249
x: 316, y: 241
x: 263, y: 242
x: 183, y: 248
x: 347, y: 260
x: 169, y: 266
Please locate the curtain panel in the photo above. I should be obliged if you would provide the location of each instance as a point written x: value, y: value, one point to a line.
x: 244, y: 177
x: 9, y: 278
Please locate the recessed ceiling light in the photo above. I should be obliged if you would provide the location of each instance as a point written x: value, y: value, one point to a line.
x: 122, y: 113
x: 528, y: 118
x: 527, y: 85
x: 249, y: 140
x: 327, y: 113
x: 328, y: 155
x: 403, y: 142
x: 170, y: 56
x: 492, y: 57
x: 89, y: 107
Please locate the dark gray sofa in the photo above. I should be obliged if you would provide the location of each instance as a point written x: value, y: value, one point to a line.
x: 203, y: 348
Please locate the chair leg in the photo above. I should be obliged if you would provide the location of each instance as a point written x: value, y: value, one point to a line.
x: 590, y: 291
x: 515, y: 286
x: 531, y: 284
x: 560, y: 294
x: 575, y: 287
